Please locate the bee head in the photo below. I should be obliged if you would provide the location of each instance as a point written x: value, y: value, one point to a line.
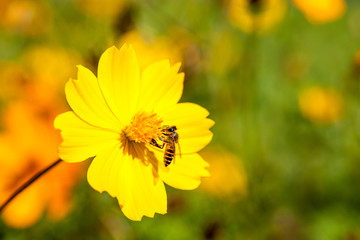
x: 172, y: 129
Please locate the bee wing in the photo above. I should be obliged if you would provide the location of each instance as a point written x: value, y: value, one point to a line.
x: 178, y: 144
x: 174, y: 155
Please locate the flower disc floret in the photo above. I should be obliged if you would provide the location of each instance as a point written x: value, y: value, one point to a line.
x: 143, y: 127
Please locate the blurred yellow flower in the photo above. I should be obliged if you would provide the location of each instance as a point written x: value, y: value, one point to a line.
x: 224, y: 47
x: 320, y: 105
x: 228, y: 177
x: 50, y: 65
x: 29, y: 144
x: 12, y: 79
x: 188, y: 48
x: 115, y: 117
x: 102, y: 8
x: 321, y: 11
x: 39, y: 74
x: 256, y: 15
x: 25, y: 16
x: 151, y: 49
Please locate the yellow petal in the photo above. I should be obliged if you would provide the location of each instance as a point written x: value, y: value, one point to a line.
x: 104, y: 168
x: 321, y: 11
x: 130, y: 181
x: 119, y: 78
x: 85, y: 98
x: 149, y: 197
x: 185, y: 172
x: 161, y: 86
x: 81, y: 140
x: 192, y: 124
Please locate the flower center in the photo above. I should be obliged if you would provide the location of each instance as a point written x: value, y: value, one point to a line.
x: 143, y: 127
x: 256, y: 6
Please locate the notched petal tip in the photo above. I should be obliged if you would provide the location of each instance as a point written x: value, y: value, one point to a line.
x: 82, y: 70
x: 128, y: 48
x: 108, y: 52
x: 124, y: 46
x: 94, y: 186
x: 206, y: 173
x: 114, y: 48
x: 177, y: 66
x: 79, y: 66
x: 59, y: 120
x: 186, y: 173
x: 211, y: 122
x: 195, y: 109
x: 181, y: 76
x: 138, y: 218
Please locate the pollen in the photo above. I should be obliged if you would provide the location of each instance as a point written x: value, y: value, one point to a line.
x: 143, y: 127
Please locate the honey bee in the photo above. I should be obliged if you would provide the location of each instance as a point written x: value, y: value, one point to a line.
x: 169, y: 137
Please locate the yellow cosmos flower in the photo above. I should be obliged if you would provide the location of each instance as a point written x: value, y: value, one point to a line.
x: 224, y: 47
x: 323, y: 106
x: 42, y: 64
x: 321, y: 11
x: 102, y: 8
x: 25, y: 16
x: 115, y: 117
x: 256, y: 15
x: 13, y: 77
x: 228, y: 177
x: 151, y: 49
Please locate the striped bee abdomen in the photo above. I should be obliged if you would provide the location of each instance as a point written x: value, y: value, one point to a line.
x: 169, y: 154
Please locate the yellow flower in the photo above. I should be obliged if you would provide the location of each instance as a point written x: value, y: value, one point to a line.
x: 151, y: 49
x: 117, y: 114
x: 224, y: 47
x: 323, y: 106
x: 25, y: 16
x: 28, y: 144
x: 42, y: 64
x: 107, y: 8
x: 321, y: 11
x: 13, y: 77
x: 228, y: 177
x: 256, y: 15
x: 36, y: 74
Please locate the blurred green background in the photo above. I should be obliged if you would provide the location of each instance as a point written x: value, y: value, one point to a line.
x: 301, y: 170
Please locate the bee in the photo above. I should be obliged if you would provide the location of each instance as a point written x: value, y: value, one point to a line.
x: 169, y: 138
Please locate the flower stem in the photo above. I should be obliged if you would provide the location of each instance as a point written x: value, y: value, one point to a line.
x: 28, y: 183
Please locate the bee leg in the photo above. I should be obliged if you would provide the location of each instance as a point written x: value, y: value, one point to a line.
x: 154, y: 143
x: 163, y: 140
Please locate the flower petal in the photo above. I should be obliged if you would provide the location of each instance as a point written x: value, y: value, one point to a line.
x: 192, y: 124
x: 185, y: 172
x: 104, y: 168
x: 130, y: 181
x: 85, y: 98
x: 161, y: 86
x: 149, y: 196
x: 119, y: 78
x: 81, y: 140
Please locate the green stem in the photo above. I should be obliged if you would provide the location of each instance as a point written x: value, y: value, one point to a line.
x: 28, y: 183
